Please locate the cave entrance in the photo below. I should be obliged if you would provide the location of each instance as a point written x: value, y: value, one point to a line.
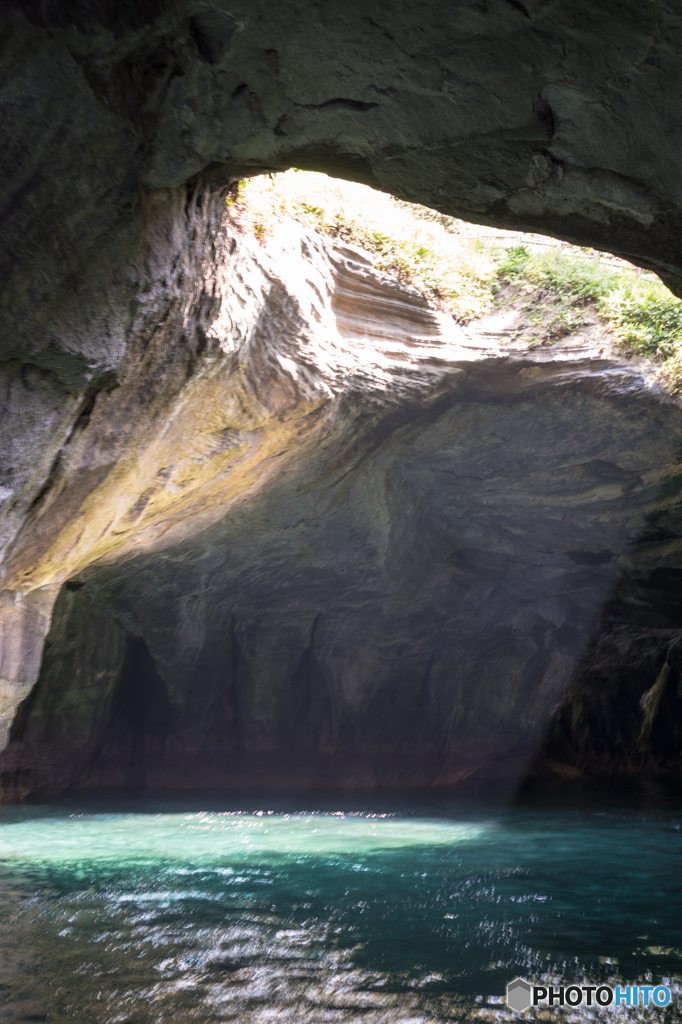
x: 513, y: 289
x: 420, y: 414
x: 142, y: 716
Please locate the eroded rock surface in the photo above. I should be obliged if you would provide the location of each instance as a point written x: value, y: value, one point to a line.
x: 321, y: 535
x: 561, y: 117
x: 157, y: 380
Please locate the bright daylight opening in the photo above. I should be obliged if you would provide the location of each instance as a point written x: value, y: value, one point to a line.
x: 525, y: 290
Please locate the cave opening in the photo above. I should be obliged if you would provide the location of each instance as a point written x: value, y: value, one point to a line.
x: 341, y: 666
x: 491, y: 590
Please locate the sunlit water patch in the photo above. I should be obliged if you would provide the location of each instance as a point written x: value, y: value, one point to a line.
x: 154, y: 915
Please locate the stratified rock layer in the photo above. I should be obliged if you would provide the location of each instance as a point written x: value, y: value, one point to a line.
x: 168, y: 388
x: 560, y: 117
x: 320, y: 535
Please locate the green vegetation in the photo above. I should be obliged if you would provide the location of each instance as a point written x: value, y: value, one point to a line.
x: 646, y: 317
x: 580, y: 278
x: 642, y: 315
x: 556, y: 291
x: 559, y: 289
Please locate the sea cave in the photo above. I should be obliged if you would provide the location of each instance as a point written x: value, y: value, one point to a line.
x: 340, y: 510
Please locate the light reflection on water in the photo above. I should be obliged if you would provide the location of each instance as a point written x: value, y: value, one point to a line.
x: 154, y: 915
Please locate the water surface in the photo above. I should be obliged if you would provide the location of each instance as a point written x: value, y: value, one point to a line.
x: 263, y: 911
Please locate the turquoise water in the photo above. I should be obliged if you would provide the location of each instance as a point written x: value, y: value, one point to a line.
x: 279, y: 912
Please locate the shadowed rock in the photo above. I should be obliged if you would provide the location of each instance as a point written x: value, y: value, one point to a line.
x: 166, y: 383
x: 356, y: 545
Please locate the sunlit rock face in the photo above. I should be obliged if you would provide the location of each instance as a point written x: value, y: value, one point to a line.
x: 558, y: 117
x: 236, y: 360
x: 160, y: 374
x: 322, y: 536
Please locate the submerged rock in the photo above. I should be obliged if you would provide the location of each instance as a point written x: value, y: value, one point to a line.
x: 320, y: 535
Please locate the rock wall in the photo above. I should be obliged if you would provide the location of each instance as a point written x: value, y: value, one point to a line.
x: 322, y: 536
x: 160, y: 373
x: 24, y: 622
x: 557, y: 117
x: 622, y: 712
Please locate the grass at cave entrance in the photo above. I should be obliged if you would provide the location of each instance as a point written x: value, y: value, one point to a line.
x: 444, y: 258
